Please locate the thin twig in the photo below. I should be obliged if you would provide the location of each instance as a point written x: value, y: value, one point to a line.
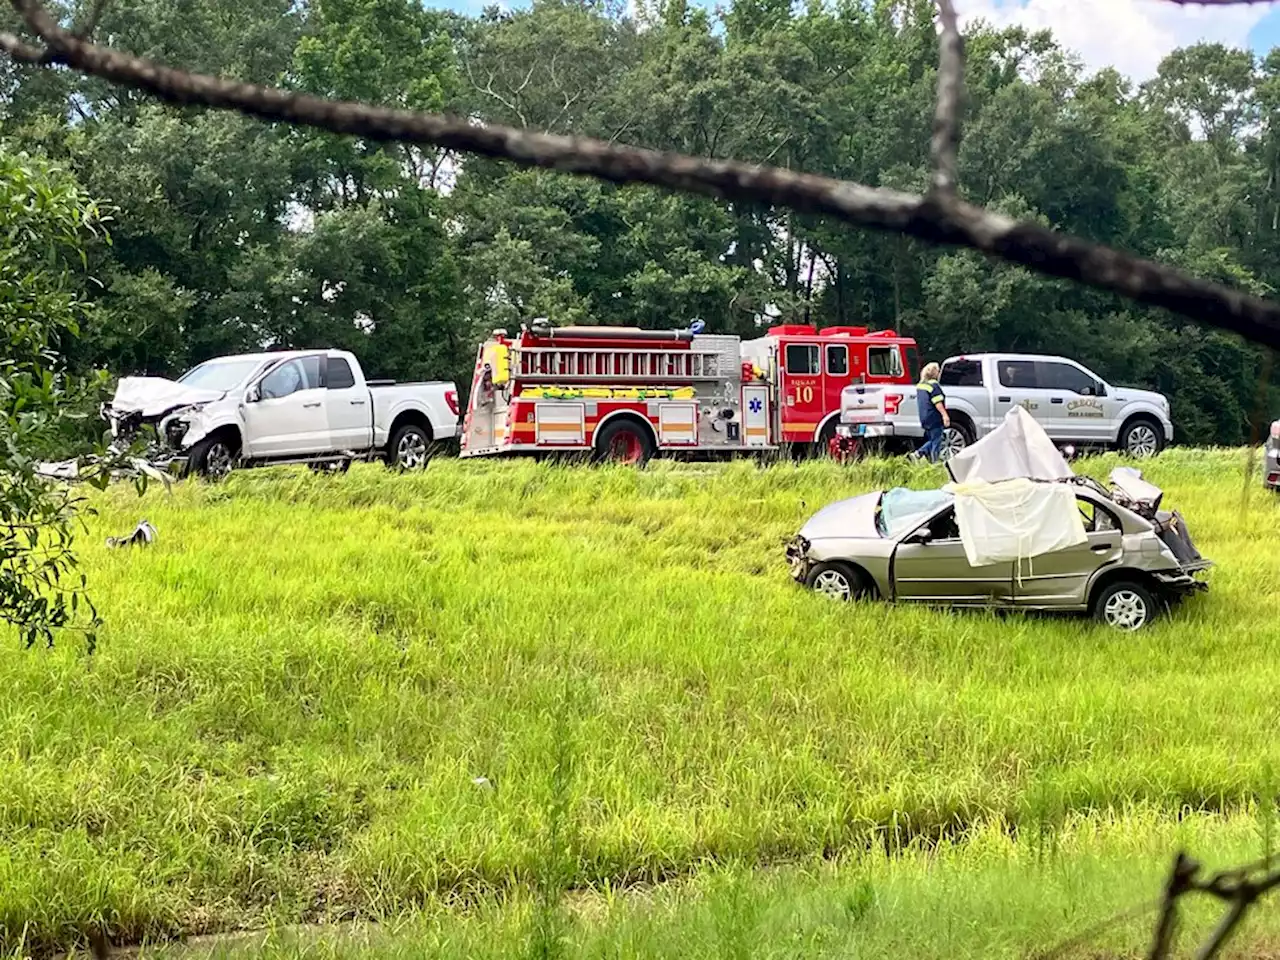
x: 946, y: 121
x: 85, y: 32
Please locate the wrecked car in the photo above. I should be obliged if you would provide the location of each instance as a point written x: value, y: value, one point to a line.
x: 1015, y: 528
x: 304, y: 406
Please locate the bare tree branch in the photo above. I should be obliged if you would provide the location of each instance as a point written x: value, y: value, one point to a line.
x: 946, y: 121
x: 1237, y: 888
x: 937, y: 220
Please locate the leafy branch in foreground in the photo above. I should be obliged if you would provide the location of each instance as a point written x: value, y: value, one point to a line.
x: 45, y: 220
x: 938, y: 216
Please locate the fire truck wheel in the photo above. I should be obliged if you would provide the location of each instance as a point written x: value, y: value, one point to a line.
x: 624, y: 441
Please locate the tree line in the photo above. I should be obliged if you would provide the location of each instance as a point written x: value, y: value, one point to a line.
x: 227, y: 234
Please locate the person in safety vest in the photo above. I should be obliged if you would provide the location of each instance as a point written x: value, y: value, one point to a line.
x: 933, y: 412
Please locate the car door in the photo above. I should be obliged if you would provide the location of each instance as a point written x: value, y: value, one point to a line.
x: 937, y: 571
x: 1075, y: 401
x: 1061, y: 578
x: 348, y: 407
x: 288, y: 418
x: 1018, y: 384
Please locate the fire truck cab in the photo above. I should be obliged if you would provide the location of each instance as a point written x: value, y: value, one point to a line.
x: 624, y: 393
x: 812, y: 366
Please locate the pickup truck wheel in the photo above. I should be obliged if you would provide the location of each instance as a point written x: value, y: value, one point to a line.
x: 409, y: 448
x: 1141, y: 438
x: 955, y: 438
x: 1125, y: 605
x: 213, y: 457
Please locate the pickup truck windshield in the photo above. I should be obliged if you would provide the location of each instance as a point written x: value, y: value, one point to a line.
x: 219, y: 374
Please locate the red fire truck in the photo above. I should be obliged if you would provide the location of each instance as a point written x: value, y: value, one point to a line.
x: 625, y: 394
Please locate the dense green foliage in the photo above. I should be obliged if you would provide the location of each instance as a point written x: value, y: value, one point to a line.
x: 233, y: 234
x: 301, y: 679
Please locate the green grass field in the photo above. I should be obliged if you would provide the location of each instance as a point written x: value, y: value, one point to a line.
x: 685, y: 753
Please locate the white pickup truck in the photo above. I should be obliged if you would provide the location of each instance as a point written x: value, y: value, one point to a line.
x: 1074, y: 405
x: 299, y: 406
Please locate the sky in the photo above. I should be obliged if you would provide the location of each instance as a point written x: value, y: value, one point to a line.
x: 1131, y: 35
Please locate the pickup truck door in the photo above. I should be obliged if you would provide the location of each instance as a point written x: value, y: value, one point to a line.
x: 288, y: 419
x: 1079, y: 406
x: 1017, y: 383
x: 349, y: 407
x: 939, y: 572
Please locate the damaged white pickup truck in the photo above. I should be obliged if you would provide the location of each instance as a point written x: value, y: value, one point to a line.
x: 304, y: 406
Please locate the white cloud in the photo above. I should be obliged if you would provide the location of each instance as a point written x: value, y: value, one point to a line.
x: 1131, y: 35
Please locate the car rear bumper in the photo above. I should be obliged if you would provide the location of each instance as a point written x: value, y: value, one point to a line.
x: 1271, y: 469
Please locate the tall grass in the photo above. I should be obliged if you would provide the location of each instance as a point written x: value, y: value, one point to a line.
x: 300, y: 684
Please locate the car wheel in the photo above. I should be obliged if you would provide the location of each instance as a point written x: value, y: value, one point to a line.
x: 213, y: 457
x: 955, y: 438
x: 1142, y: 438
x: 837, y: 581
x: 410, y: 448
x: 1125, y: 605
x: 625, y: 442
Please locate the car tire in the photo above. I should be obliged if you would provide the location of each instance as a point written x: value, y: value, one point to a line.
x: 213, y: 457
x: 1141, y: 437
x: 839, y: 581
x: 1125, y: 605
x: 409, y: 449
x: 624, y: 442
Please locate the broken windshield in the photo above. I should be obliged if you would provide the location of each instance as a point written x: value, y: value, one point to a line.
x: 901, y: 510
x: 219, y: 374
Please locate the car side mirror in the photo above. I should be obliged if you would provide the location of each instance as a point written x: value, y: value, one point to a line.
x: 922, y: 536
x: 1100, y: 390
x: 253, y: 394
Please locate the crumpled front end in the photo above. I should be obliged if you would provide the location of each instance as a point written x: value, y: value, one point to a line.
x: 170, y: 409
x: 798, y: 558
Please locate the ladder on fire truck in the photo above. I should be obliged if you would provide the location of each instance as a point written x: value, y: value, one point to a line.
x: 615, y: 364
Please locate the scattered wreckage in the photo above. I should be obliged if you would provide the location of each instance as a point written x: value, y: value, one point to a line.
x: 1015, y: 528
x: 303, y: 406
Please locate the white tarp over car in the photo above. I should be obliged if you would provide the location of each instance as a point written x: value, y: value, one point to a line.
x: 154, y: 396
x: 1019, y: 447
x: 1016, y: 520
x: 1008, y: 509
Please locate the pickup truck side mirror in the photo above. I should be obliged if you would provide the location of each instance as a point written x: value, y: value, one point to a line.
x: 1100, y: 390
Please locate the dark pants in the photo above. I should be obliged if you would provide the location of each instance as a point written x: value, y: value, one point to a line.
x: 932, y: 446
